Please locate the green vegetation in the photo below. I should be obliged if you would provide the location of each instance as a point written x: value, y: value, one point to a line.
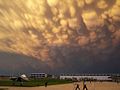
x: 32, y: 83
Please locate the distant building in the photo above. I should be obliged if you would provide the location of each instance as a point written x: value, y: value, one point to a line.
x: 115, y: 78
x: 100, y: 77
x: 38, y: 75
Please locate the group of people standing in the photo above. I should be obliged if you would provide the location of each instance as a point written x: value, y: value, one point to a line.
x: 84, y: 86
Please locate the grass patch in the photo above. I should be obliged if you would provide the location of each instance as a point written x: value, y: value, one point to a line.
x: 33, y: 83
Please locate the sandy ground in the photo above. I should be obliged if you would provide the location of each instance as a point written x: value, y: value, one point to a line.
x: 91, y: 86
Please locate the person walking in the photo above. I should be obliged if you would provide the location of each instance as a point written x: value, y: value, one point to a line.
x: 77, y: 87
x: 84, y: 86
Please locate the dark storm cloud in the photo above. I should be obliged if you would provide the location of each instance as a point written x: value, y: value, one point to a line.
x: 106, y: 61
x: 11, y: 63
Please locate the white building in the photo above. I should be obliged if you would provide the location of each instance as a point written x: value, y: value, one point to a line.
x: 86, y: 76
x: 38, y: 75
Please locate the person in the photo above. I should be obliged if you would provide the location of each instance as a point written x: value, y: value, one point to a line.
x: 77, y: 87
x: 46, y: 84
x: 84, y: 86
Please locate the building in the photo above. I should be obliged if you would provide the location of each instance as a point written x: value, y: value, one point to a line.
x: 38, y: 75
x: 100, y: 77
x: 115, y: 78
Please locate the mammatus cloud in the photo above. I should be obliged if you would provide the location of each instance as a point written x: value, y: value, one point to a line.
x: 57, y: 31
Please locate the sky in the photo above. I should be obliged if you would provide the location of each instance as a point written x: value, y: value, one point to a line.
x: 60, y: 36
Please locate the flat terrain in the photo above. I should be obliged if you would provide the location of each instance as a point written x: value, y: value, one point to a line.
x: 34, y: 83
x: 91, y: 86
